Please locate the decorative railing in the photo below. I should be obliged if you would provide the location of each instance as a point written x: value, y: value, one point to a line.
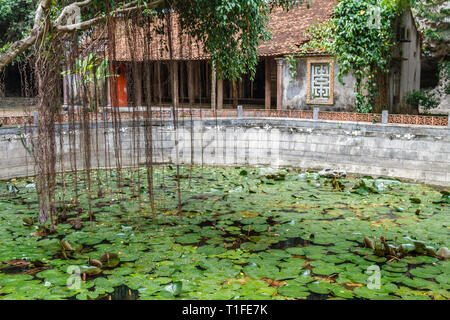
x: 186, y: 114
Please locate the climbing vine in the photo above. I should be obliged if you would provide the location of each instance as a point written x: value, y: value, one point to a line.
x: 361, y: 36
x: 364, y: 37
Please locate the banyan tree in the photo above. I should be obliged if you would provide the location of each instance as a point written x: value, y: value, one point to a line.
x: 75, y: 41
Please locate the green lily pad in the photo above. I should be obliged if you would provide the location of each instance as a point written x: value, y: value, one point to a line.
x: 294, y: 291
x: 319, y: 287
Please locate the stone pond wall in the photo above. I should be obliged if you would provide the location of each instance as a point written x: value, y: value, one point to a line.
x: 418, y: 153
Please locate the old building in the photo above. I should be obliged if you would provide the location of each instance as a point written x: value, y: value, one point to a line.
x: 172, y: 69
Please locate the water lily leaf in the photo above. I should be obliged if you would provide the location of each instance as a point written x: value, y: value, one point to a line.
x: 294, y: 291
x: 211, y: 250
x: 188, y: 238
x: 174, y: 288
x: 343, y: 293
x: 319, y: 287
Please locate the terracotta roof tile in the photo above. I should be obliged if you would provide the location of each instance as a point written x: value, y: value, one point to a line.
x: 287, y: 28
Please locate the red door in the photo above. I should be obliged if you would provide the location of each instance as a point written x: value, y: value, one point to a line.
x: 120, y: 83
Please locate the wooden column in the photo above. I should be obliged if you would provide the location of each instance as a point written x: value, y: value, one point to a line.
x: 220, y: 94
x: 175, y: 88
x: 191, y: 84
x: 148, y: 83
x: 137, y: 84
x: 182, y: 81
x: 198, y: 81
x: 235, y: 93
x: 279, y: 83
x: 108, y: 92
x: 158, y: 75
x: 65, y: 91
x: 268, y: 85
x: 207, y: 82
x: 213, y: 87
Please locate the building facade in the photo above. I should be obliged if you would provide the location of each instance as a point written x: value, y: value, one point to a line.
x: 172, y: 69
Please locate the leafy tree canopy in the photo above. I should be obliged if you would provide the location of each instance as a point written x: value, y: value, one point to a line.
x: 230, y: 29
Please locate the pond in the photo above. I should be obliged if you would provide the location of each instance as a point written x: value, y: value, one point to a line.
x: 244, y: 233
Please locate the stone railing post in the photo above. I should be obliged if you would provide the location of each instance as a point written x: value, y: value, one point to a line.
x: 239, y: 111
x: 172, y: 113
x: 316, y: 114
x: 35, y: 118
x: 385, y: 117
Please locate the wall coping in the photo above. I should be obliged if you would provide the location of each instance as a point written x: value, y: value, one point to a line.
x: 417, y: 130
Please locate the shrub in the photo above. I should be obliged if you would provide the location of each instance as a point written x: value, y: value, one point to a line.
x: 422, y: 98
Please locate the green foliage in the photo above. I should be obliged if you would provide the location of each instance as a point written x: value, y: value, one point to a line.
x: 321, y: 40
x: 422, y: 98
x: 16, y: 18
x: 360, y: 39
x: 315, y: 235
x: 435, y: 14
x: 363, y: 43
x: 231, y: 30
x: 90, y: 69
x: 444, y: 74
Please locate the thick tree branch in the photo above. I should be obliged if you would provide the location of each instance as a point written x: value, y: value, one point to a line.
x: 94, y: 21
x: 70, y: 8
x: 43, y: 6
x: 22, y: 45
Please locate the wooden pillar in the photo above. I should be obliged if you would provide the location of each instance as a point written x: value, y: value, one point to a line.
x: 182, y: 81
x: 108, y: 92
x: 175, y: 88
x: 198, y: 81
x: 279, y: 83
x: 235, y: 93
x: 191, y: 84
x: 241, y: 91
x: 65, y: 91
x: 208, y: 77
x: 137, y: 84
x: 158, y: 75
x: 148, y: 83
x: 213, y: 87
x: 268, y: 85
x: 220, y: 94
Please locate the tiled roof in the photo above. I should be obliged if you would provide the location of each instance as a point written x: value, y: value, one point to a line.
x: 287, y: 28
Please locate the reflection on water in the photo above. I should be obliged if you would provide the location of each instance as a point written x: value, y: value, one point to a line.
x: 122, y: 293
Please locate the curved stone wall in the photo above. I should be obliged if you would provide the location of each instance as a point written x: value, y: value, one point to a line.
x: 417, y: 153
